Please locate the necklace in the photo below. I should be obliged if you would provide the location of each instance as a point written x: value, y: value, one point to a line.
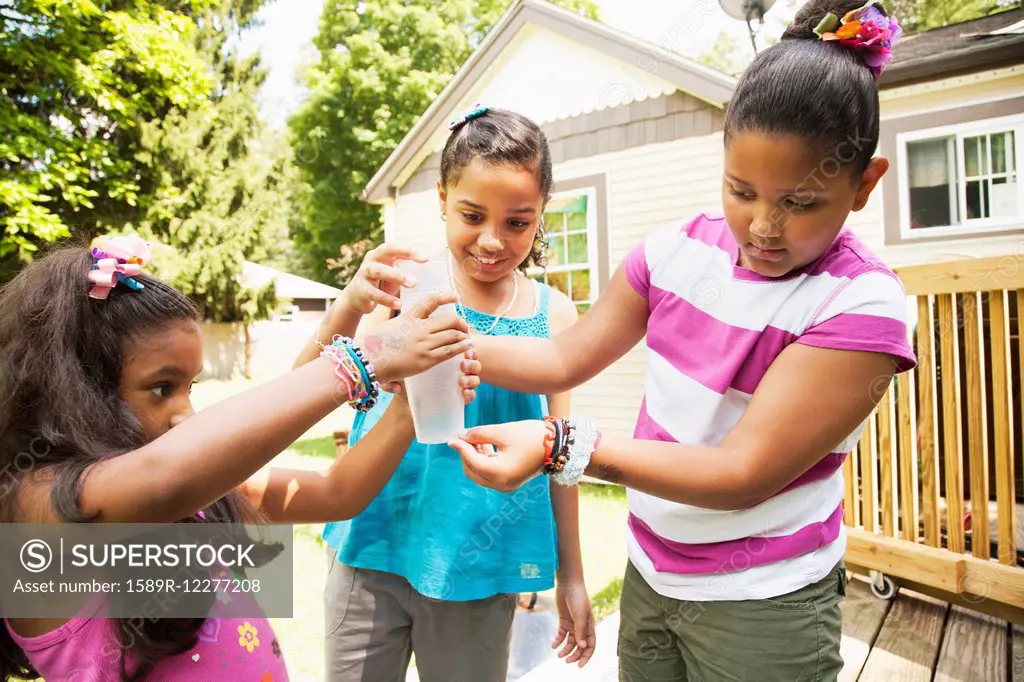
x: 461, y: 309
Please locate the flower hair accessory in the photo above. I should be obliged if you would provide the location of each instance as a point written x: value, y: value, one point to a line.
x: 118, y: 260
x: 867, y: 30
x: 477, y: 111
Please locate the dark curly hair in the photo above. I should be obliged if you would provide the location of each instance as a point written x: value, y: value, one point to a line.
x: 820, y: 91
x: 61, y: 356
x: 502, y: 137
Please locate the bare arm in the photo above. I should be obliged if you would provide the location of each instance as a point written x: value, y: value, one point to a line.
x: 198, y: 461
x: 565, y: 501
x: 351, y: 483
x: 340, y: 319
x: 606, y: 332
x: 808, y: 402
x: 217, y: 449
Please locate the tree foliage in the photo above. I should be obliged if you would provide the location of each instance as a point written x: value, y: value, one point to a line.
x: 922, y: 15
x: 141, y: 116
x: 381, y: 65
x: 78, y: 79
x: 221, y: 184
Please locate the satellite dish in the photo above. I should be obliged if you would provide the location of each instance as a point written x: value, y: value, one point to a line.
x: 746, y: 10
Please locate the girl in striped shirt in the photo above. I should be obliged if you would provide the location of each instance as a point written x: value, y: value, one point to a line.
x: 772, y: 332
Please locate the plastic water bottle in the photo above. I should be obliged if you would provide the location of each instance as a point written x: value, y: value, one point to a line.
x: 438, y: 410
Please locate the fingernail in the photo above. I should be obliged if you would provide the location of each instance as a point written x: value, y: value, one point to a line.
x: 410, y: 282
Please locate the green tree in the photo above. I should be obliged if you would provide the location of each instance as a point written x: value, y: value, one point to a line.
x: 381, y: 65
x: 165, y: 140
x: 731, y: 54
x: 221, y: 183
x: 921, y: 15
x: 78, y: 79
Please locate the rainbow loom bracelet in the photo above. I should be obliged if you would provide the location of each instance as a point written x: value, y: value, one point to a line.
x: 366, y: 369
x: 355, y: 371
x: 347, y: 372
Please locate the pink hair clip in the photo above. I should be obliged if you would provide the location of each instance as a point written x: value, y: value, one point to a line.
x: 867, y: 30
x: 118, y: 260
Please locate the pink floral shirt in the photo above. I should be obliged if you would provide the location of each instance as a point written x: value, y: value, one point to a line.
x: 85, y: 649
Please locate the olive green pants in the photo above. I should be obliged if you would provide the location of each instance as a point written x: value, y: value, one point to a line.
x: 791, y: 638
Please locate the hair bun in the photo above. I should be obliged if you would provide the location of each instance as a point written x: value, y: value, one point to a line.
x: 865, y: 28
x: 811, y: 13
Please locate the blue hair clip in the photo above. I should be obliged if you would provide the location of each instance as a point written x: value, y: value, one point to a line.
x: 132, y: 284
x: 477, y: 111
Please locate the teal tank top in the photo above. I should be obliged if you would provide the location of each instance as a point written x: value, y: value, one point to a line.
x: 452, y: 539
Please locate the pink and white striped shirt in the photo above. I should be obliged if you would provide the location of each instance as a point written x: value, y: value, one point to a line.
x: 713, y: 330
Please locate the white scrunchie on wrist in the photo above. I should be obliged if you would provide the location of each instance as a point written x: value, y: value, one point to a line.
x: 584, y: 440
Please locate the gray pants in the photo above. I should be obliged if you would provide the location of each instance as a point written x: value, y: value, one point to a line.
x: 375, y: 621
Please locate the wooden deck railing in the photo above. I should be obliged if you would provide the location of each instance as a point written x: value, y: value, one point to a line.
x: 945, y: 441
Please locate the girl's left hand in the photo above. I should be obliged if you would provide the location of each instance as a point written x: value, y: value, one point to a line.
x: 502, y: 456
x: 575, y: 622
x: 469, y: 381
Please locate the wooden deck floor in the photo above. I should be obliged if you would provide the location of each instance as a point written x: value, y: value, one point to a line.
x: 913, y: 637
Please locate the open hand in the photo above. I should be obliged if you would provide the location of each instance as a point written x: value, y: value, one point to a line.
x: 378, y: 281
x: 575, y: 623
x: 502, y: 456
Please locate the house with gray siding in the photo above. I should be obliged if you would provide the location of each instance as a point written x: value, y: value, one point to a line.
x: 636, y: 139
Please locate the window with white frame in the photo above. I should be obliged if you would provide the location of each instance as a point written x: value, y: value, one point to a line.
x: 570, y: 223
x: 962, y: 179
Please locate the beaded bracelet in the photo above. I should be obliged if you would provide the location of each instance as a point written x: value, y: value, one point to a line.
x: 550, y: 439
x: 355, y: 371
x: 555, y: 455
x: 573, y: 442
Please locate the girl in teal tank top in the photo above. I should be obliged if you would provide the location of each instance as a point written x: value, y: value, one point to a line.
x: 450, y: 538
x: 435, y: 561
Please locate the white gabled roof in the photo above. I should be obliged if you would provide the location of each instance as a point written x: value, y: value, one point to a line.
x: 286, y: 285
x: 590, y: 66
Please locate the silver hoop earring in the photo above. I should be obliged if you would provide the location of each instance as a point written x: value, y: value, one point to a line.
x: 444, y: 218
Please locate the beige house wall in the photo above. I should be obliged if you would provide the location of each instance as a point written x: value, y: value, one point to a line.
x: 274, y: 347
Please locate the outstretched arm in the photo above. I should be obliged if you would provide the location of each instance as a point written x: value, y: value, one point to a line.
x: 576, y: 628
x: 606, y: 332
x: 217, y: 449
x: 808, y: 402
x: 354, y: 479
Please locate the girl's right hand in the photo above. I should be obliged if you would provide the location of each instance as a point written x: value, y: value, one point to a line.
x: 502, y: 456
x: 413, y: 342
x: 378, y: 281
